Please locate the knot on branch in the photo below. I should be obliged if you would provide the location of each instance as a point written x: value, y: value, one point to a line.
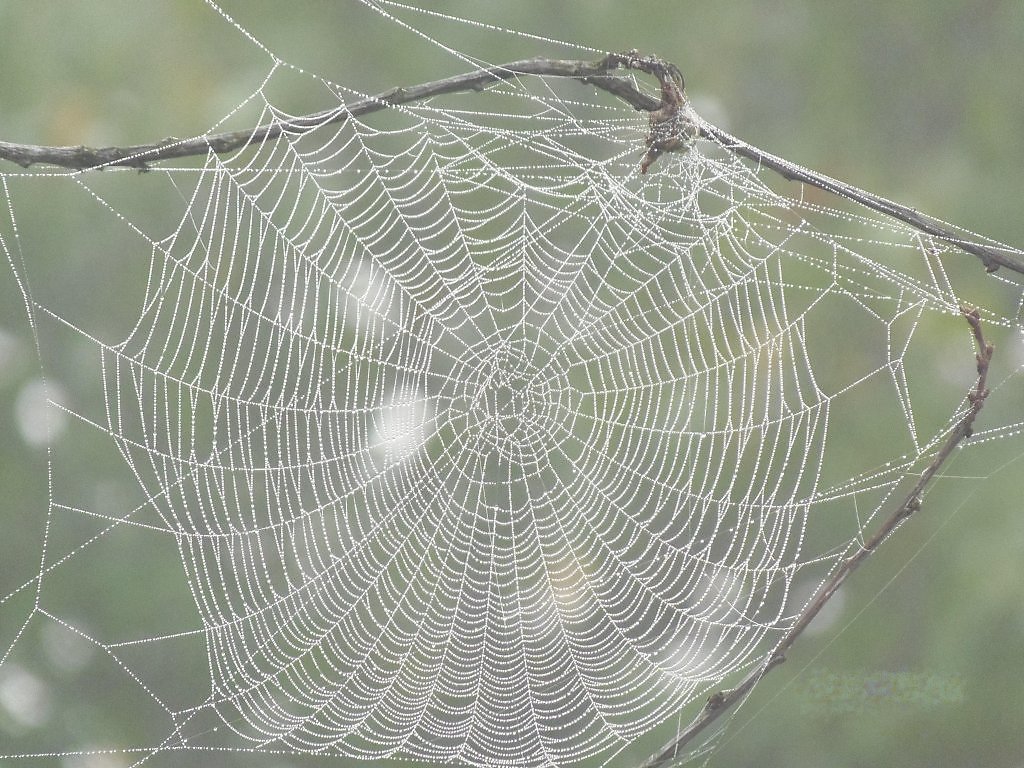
x: 670, y: 132
x: 715, y: 701
x: 674, y: 125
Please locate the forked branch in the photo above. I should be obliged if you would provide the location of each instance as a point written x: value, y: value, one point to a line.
x: 674, y: 126
x: 721, y: 701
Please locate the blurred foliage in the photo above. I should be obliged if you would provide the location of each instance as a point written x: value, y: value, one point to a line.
x: 919, y: 101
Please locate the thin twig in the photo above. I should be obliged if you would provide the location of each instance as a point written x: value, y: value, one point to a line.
x: 721, y: 701
x: 992, y: 258
x: 140, y: 156
x: 673, y: 126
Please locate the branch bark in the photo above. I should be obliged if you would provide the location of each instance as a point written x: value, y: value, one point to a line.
x: 673, y: 127
x: 140, y: 156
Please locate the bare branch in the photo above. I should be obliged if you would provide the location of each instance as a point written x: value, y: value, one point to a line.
x: 992, y: 258
x: 673, y: 127
x: 596, y: 73
x: 721, y: 701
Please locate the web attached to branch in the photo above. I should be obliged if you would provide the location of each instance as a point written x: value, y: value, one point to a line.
x: 458, y: 438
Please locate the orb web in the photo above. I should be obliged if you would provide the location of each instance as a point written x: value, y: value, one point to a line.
x: 476, y: 444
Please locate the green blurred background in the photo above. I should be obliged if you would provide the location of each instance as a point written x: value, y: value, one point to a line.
x: 918, y: 101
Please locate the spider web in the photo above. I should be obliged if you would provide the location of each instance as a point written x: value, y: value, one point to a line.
x: 459, y: 439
